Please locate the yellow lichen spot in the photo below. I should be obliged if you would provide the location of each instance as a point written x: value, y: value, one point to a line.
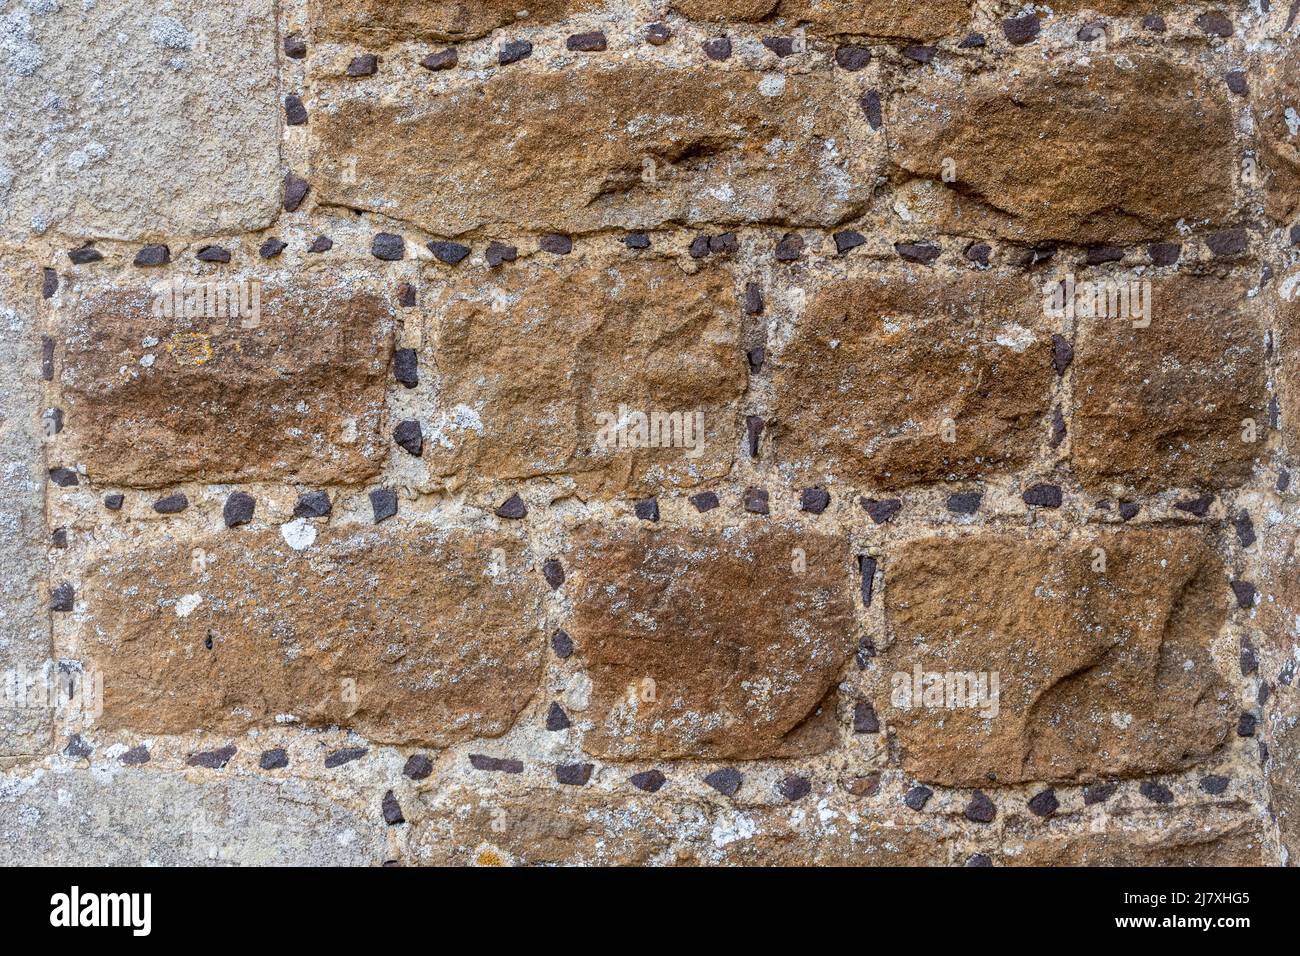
x: 190, y: 348
x: 489, y: 856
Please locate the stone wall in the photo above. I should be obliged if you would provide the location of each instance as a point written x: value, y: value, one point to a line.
x: 650, y: 431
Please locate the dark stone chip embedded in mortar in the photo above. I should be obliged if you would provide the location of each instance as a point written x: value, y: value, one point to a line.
x: 136, y: 756
x: 981, y: 808
x: 562, y: 644
x: 498, y: 253
x: 1245, y: 593
x: 574, y: 774
x: 1021, y: 30
x: 864, y: 718
x: 295, y: 113
x: 449, y: 252
x: 512, y: 508
x: 553, y: 571
x: 418, y: 767
x: 814, y: 500
x: 171, y: 504
x: 383, y: 502
x: 918, y: 797
x: 513, y: 51
x: 794, y: 787
x: 213, y: 254
x: 965, y: 503
x: 852, y: 57
x: 922, y: 253
x: 593, y: 42
x: 556, y: 718
x: 313, y: 504
x: 657, y: 34
x: 726, y: 781
x: 781, y: 46
x: 238, y: 509
x: 212, y: 759
x: 442, y: 60
x: 62, y: 598
x: 1098, y: 793
x: 406, y: 367
x: 847, y: 239
x: 1044, y: 803
x: 85, y: 255
x: 556, y: 244
x: 271, y: 248
x: 755, y: 501
x: 790, y: 247
x: 1156, y: 792
x: 345, y: 755
x: 704, y: 501
x: 155, y: 254
x: 1199, y: 507
x: 365, y: 65
x: 64, y: 477
x: 388, y: 247
x: 295, y: 191
x: 276, y: 759
x: 495, y: 764
x: 410, y: 436
x: 1043, y: 496
x: 649, y: 781
x: 717, y: 49
x: 647, y: 509
x: 881, y: 510
x: 114, y: 501
x: 392, y: 810
x: 1214, y: 784
x: 321, y: 244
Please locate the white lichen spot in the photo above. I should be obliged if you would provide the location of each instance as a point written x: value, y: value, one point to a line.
x: 299, y: 534
x: 186, y: 605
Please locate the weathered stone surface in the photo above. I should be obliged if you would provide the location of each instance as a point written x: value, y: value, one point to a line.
x: 881, y: 372
x: 414, y: 636
x: 1146, y: 841
x: 1165, y: 405
x: 95, y: 142
x: 710, y: 645
x: 139, y: 817
x: 382, y: 21
x: 538, y: 371
x: 595, y: 147
x: 564, y: 826
x: 300, y: 396
x: 1101, y: 673
x: 1275, y: 101
x: 928, y: 20
x: 1159, y: 138
x: 24, y: 616
x: 1285, y: 304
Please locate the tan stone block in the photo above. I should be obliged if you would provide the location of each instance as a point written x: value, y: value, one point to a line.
x: 1108, y: 150
x: 595, y: 147
x: 913, y: 376
x: 1167, y: 405
x: 414, y: 636
x: 1101, y: 673
x: 153, y: 400
x: 711, y: 644
x: 553, y: 372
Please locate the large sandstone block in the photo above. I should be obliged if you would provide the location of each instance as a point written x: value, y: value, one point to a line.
x: 1201, y: 840
x: 594, y: 147
x: 415, y: 636
x: 152, y: 400
x: 544, y: 374
x: 24, y: 612
x: 910, y: 377
x: 382, y: 21
x: 1111, y: 149
x: 1170, y: 404
x: 1275, y: 99
x: 125, y: 121
x: 710, y: 644
x: 538, y: 827
x: 1100, y: 673
x: 928, y: 20
x: 139, y: 817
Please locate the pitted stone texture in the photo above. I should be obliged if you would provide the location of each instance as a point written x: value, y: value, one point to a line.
x: 1278, y: 634
x: 906, y: 377
x: 594, y: 147
x: 1285, y: 302
x: 1203, y: 839
x: 534, y: 827
x: 139, y: 817
x: 301, y: 396
x: 1160, y: 149
x: 738, y: 636
x: 537, y: 370
x: 1164, y: 406
x: 24, y: 615
x: 1275, y: 101
x: 384, y: 22
x: 1102, y: 674
x: 416, y: 636
x: 95, y: 140
x: 928, y: 20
